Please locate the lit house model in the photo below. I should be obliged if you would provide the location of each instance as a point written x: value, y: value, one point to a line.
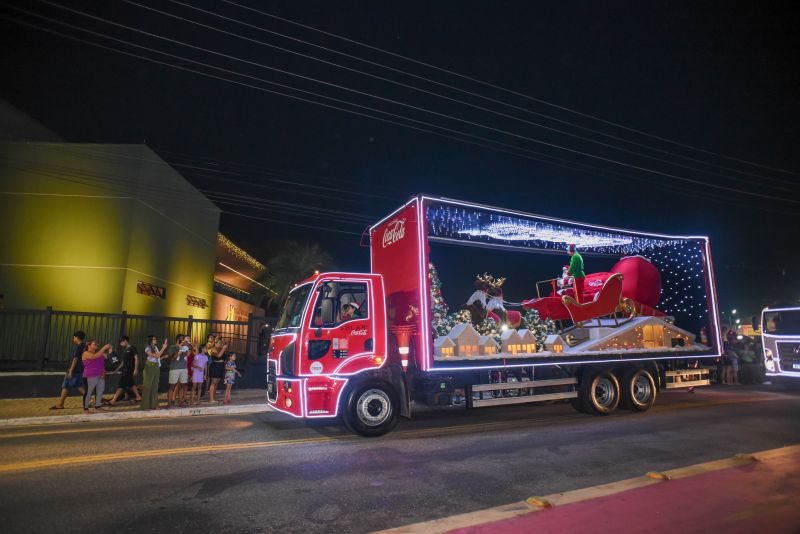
x: 511, y: 342
x: 528, y: 340
x: 444, y: 347
x: 487, y: 346
x: 466, y: 339
x: 554, y: 344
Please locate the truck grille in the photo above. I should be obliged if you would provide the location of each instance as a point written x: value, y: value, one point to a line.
x: 272, y: 381
x: 789, y: 355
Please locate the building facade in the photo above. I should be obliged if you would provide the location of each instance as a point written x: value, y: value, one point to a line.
x: 103, y: 228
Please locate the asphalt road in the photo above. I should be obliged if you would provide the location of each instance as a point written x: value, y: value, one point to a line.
x: 269, y: 473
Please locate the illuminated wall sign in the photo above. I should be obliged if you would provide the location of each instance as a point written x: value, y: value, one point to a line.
x: 197, y: 302
x: 145, y: 288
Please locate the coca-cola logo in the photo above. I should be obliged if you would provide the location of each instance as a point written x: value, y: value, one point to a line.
x: 395, y: 231
x: 595, y: 283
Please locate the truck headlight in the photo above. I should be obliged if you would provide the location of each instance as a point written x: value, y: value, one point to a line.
x: 768, y: 361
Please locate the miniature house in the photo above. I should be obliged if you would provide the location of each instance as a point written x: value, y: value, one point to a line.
x: 653, y: 336
x: 528, y: 340
x: 466, y: 339
x: 487, y: 346
x: 511, y: 342
x: 554, y: 343
x: 444, y: 347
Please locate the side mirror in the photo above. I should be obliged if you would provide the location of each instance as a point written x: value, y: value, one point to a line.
x: 318, y: 332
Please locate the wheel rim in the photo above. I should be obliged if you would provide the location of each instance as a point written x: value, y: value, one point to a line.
x: 642, y: 389
x: 374, y: 407
x: 604, y: 392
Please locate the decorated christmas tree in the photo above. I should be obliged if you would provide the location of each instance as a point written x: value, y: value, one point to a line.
x: 438, y: 306
x: 539, y: 328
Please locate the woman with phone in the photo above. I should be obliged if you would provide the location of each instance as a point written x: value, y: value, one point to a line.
x: 152, y: 370
x: 94, y: 370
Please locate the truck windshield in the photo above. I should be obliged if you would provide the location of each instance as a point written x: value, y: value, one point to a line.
x: 292, y: 313
x: 783, y: 322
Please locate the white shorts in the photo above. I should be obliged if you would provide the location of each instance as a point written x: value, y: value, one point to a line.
x: 178, y: 375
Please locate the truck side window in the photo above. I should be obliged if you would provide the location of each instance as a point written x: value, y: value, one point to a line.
x: 352, y: 302
x: 340, y: 302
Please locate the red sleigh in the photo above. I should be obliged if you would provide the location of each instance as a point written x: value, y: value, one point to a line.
x: 607, y: 302
x: 637, y: 287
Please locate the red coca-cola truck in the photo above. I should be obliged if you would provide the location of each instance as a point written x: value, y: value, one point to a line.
x: 366, y: 346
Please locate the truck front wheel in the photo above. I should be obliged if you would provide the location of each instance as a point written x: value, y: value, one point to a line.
x: 371, y: 409
x: 639, y: 393
x: 599, y: 393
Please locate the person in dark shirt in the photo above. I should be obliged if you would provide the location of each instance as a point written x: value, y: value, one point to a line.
x: 74, y: 377
x: 128, y: 370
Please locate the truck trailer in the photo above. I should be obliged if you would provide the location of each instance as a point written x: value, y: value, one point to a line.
x: 365, y: 347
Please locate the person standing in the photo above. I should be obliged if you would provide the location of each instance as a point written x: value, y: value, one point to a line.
x: 129, y: 370
x: 230, y: 377
x: 178, y: 371
x: 94, y: 370
x: 74, y: 377
x: 216, y: 369
x: 576, y: 272
x: 199, y: 365
x: 152, y: 370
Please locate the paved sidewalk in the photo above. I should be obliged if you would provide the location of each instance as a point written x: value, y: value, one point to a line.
x: 16, y: 412
x: 747, y: 493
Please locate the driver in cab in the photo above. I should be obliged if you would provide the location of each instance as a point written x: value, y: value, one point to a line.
x: 349, y: 311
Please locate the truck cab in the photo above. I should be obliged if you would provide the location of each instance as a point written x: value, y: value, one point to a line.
x: 329, y: 353
x: 780, y: 335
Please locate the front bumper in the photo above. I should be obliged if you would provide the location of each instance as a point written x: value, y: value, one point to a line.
x: 306, y: 397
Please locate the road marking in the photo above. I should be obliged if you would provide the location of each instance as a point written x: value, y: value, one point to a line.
x: 130, y: 455
x: 531, y: 422
x: 535, y: 504
x: 82, y: 430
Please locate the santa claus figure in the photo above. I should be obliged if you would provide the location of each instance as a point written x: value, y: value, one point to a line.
x: 565, y: 281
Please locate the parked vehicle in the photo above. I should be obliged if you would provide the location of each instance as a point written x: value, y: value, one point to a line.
x: 780, y: 335
x: 364, y: 346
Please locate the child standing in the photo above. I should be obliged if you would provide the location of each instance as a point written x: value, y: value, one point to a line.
x: 199, y: 365
x: 230, y: 376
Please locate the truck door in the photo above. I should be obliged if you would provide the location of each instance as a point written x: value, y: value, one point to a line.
x: 339, y: 328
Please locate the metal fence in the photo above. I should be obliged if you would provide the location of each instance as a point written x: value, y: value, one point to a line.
x: 42, y: 339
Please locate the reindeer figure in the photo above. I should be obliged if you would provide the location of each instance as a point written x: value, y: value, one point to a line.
x: 488, y: 297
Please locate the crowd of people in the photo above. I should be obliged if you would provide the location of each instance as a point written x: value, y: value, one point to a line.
x: 742, y: 361
x: 195, y: 370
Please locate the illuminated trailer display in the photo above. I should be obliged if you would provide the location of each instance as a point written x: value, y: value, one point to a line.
x: 367, y: 345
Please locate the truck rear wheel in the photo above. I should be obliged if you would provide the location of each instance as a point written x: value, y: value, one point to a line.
x: 371, y: 409
x: 599, y: 393
x: 639, y: 390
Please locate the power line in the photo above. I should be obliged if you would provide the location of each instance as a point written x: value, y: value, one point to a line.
x: 488, y: 143
x: 471, y: 123
x: 295, y: 97
x: 512, y: 92
x: 462, y: 102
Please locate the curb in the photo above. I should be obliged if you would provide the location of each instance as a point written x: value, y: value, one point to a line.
x: 537, y: 504
x: 136, y: 414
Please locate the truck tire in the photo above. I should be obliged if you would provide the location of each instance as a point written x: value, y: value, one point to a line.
x: 371, y: 409
x: 599, y: 393
x: 638, y: 390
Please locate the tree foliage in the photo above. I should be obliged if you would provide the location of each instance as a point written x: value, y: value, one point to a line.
x: 290, y: 264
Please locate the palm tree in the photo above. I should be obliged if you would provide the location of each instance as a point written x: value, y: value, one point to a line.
x: 289, y: 265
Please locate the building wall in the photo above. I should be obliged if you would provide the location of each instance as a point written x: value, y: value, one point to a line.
x: 82, y: 224
x: 230, y: 309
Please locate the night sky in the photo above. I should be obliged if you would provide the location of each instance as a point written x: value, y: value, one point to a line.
x: 718, y: 76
